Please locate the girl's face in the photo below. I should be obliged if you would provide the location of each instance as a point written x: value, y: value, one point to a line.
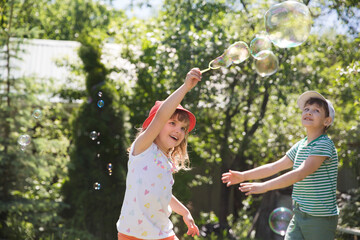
x: 172, y: 134
x: 313, y: 116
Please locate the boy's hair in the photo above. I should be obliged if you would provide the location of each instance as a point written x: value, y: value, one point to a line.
x: 321, y: 103
x: 179, y: 154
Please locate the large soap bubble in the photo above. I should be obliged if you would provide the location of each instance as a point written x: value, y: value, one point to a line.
x: 236, y: 53
x: 258, y: 45
x: 279, y: 220
x: 267, y: 63
x: 288, y: 24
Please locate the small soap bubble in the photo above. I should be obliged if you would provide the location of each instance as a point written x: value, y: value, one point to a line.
x: 98, y: 142
x: 24, y: 140
x: 93, y: 135
x: 37, y: 114
x: 267, y: 64
x: 288, y: 24
x: 97, y: 186
x: 109, y: 166
x: 100, y: 94
x: 258, y: 45
x: 100, y: 103
x: 279, y: 220
x: 98, y: 155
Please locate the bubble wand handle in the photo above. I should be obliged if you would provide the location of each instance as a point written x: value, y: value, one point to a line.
x: 205, y: 70
x: 209, y: 68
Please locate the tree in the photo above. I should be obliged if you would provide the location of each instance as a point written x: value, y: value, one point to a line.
x: 94, y: 210
x: 29, y: 192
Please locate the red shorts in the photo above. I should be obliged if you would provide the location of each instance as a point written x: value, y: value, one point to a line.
x: 126, y: 237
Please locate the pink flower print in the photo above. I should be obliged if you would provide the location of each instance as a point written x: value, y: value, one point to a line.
x: 134, y: 199
x: 153, y: 184
x: 162, y: 210
x: 145, y: 168
x: 140, y: 221
x: 159, y: 162
x: 133, y: 170
x: 171, y: 182
x: 128, y: 230
x: 160, y: 233
x: 146, y: 192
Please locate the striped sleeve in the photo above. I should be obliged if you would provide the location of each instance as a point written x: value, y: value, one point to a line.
x: 293, y: 150
x: 322, y: 148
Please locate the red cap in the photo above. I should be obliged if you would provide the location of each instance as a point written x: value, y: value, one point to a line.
x: 156, y: 107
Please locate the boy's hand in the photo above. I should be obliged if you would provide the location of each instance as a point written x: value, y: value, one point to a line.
x: 253, y: 188
x: 232, y: 177
x: 190, y: 223
x: 192, y: 78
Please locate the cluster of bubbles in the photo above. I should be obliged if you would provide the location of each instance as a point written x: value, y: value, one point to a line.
x: 97, y: 186
x: 279, y: 220
x: 101, y: 102
x: 24, y: 139
x: 95, y: 136
x: 287, y: 25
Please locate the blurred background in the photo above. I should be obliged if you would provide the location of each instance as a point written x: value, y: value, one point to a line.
x: 77, y: 77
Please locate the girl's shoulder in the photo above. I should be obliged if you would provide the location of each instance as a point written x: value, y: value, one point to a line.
x: 151, y: 149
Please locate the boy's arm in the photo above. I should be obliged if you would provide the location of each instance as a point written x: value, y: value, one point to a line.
x: 180, y: 209
x: 310, y: 165
x: 267, y: 170
x: 165, y: 111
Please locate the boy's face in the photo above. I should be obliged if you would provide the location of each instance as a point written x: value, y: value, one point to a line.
x: 313, y: 116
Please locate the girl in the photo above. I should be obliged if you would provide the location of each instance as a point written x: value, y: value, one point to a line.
x: 158, y: 151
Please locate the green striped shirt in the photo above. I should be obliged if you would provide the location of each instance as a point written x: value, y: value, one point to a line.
x: 316, y: 194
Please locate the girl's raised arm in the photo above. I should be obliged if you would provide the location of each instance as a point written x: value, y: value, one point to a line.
x: 165, y: 111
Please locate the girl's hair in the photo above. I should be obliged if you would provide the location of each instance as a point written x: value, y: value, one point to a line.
x: 323, y: 104
x: 179, y: 154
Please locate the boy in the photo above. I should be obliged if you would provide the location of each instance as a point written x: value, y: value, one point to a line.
x: 314, y: 164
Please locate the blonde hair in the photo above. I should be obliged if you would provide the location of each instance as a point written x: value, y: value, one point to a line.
x: 178, y: 154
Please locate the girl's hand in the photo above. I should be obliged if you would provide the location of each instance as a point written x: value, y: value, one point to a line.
x: 253, y: 188
x: 190, y: 223
x: 232, y: 177
x: 192, y: 78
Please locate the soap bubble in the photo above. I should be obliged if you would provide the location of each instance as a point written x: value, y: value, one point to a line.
x: 94, y: 135
x: 218, y: 62
x: 100, y: 103
x: 100, y: 94
x: 258, y: 45
x: 236, y: 53
x: 97, y: 186
x: 109, y: 167
x: 37, y: 114
x: 288, y: 24
x: 279, y: 220
x: 267, y: 64
x: 24, y: 140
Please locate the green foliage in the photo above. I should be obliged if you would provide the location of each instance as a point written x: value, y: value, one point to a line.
x: 90, y: 210
x: 243, y: 120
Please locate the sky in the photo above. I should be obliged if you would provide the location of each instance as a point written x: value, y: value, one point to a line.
x: 144, y: 12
